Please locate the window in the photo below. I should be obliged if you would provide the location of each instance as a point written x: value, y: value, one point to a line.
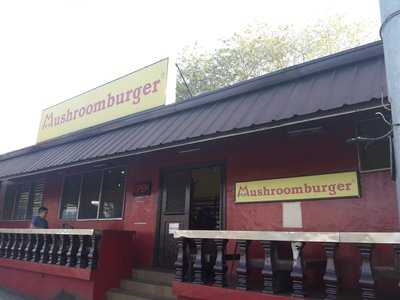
x: 69, y: 208
x: 112, y: 194
x: 36, y: 199
x: 9, y: 199
x: 96, y: 195
x: 22, y: 200
x: 89, y: 201
x: 374, y: 155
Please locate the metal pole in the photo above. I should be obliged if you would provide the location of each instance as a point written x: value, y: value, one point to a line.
x: 390, y: 34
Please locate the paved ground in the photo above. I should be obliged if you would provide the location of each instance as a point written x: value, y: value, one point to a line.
x: 6, y: 295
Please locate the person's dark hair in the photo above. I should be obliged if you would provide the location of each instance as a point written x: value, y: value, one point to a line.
x: 42, y: 209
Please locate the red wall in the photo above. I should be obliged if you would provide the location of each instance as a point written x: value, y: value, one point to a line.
x: 44, y: 287
x: 260, y: 156
x: 47, y: 281
x: 374, y: 211
x: 248, y: 158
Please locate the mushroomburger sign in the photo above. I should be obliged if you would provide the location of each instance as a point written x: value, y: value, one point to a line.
x: 337, y: 185
x: 135, y: 92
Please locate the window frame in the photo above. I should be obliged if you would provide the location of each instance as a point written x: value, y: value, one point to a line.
x: 81, y: 175
x: 17, y: 185
x: 359, y: 165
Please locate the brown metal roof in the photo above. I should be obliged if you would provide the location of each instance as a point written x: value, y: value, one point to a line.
x: 335, y: 83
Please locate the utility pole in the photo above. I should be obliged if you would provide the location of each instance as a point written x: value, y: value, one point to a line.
x: 390, y: 34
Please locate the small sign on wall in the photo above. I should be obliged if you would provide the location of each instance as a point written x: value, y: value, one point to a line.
x: 336, y: 185
x: 172, y: 228
x: 142, y: 189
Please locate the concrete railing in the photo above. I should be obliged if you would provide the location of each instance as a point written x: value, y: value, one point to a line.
x: 195, y: 245
x: 67, y: 247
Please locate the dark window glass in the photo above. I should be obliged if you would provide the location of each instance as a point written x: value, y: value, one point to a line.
x: 112, y: 194
x: 36, y: 199
x: 22, y: 202
x: 175, y: 184
x: 375, y: 155
x: 9, y: 199
x: 70, y: 198
x: 89, y: 200
x: 94, y: 195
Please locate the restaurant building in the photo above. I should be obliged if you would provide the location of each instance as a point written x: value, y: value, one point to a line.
x: 260, y: 190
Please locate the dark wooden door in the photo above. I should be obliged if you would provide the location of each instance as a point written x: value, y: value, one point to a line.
x: 175, y: 211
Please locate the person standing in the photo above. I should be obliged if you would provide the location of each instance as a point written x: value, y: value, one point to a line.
x: 39, y: 221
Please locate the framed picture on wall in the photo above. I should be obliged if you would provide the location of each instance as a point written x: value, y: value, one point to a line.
x: 142, y: 189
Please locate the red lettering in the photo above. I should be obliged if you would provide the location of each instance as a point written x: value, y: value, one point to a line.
x: 82, y: 112
x: 243, y: 191
x: 57, y: 121
x: 332, y: 189
x: 100, y: 105
x: 340, y: 187
x: 155, y: 83
x: 147, y: 89
x: 120, y: 98
x: 297, y: 190
x: 128, y: 95
x: 48, y: 118
x: 110, y: 100
x: 89, y: 109
x: 136, y: 95
x: 69, y: 116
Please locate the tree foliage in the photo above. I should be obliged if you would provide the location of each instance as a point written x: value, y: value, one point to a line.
x: 260, y: 48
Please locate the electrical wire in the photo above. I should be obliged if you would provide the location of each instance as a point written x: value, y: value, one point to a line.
x: 388, y: 18
x: 384, y: 118
x: 184, y: 81
x: 385, y: 106
x: 370, y: 139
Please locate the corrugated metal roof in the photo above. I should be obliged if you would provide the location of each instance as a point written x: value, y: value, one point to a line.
x: 342, y: 83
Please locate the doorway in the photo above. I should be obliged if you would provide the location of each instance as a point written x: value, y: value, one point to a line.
x: 191, y: 198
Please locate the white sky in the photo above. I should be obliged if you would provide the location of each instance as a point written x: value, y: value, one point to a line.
x: 53, y: 50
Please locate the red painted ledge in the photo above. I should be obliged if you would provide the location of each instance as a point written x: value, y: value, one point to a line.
x: 189, y: 291
x: 56, y: 270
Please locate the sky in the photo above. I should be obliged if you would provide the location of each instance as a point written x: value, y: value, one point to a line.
x: 53, y: 50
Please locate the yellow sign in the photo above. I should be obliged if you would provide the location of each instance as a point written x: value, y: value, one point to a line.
x: 337, y: 185
x: 135, y: 92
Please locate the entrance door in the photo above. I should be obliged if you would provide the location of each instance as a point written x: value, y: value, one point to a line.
x: 191, y: 199
x: 175, y: 206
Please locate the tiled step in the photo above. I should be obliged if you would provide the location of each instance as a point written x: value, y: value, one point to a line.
x: 120, y: 294
x: 145, y: 284
x: 153, y: 276
x: 147, y: 288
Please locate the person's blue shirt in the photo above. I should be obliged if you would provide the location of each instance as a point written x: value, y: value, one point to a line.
x: 39, y: 222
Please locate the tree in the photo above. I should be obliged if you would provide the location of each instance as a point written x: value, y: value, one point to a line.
x: 260, y: 48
